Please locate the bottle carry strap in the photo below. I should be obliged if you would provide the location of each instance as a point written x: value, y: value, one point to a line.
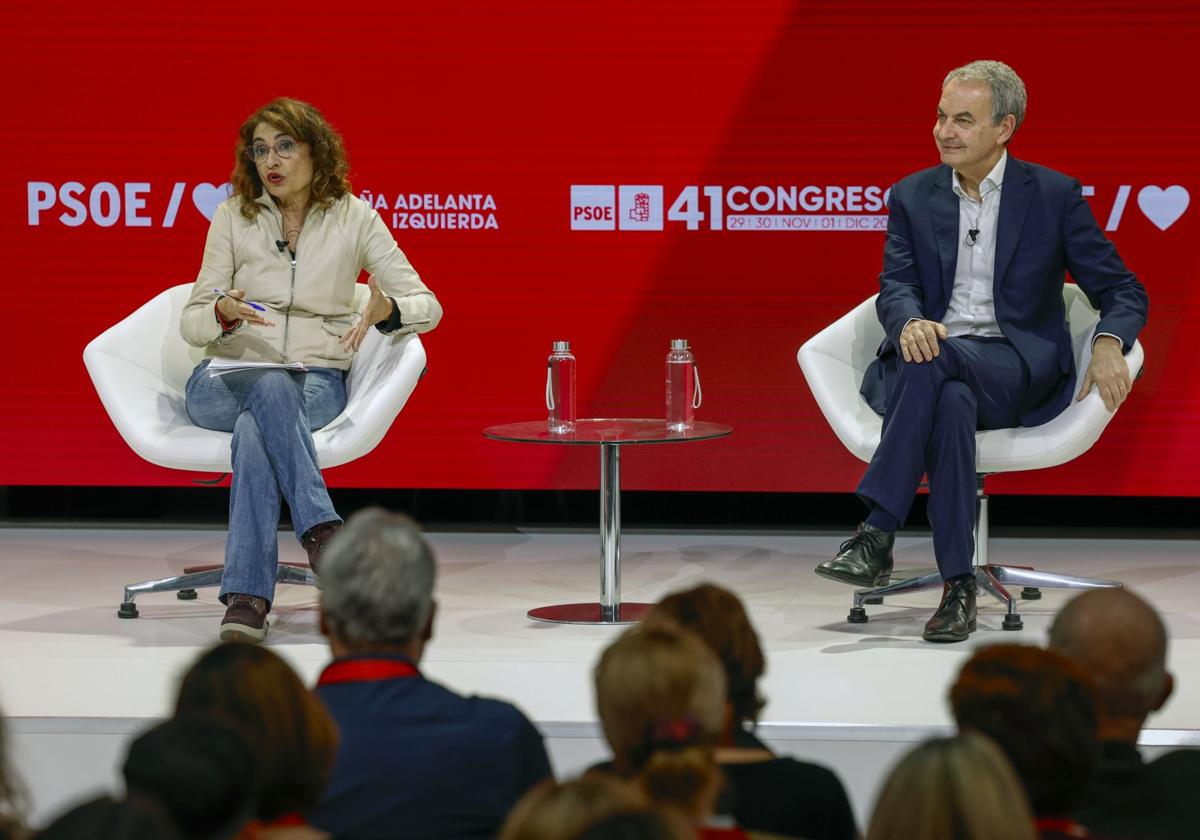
x: 549, y: 390
x: 698, y: 397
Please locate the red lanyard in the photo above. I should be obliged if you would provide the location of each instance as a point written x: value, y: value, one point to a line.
x: 1065, y: 827
x: 366, y: 670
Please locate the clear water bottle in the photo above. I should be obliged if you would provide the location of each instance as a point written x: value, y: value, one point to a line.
x: 683, y: 387
x: 560, y: 388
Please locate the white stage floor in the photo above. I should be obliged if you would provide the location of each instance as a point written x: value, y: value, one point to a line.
x: 75, y: 680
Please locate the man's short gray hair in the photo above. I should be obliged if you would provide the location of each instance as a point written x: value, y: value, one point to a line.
x: 1008, y: 91
x: 377, y: 580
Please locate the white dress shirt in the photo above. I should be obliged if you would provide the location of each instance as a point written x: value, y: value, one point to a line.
x: 972, y: 309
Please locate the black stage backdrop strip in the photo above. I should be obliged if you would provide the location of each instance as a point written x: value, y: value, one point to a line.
x: 508, y: 509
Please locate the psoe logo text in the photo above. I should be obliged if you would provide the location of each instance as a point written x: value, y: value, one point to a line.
x: 107, y: 204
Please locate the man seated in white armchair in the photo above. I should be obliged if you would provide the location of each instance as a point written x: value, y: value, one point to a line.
x: 971, y: 303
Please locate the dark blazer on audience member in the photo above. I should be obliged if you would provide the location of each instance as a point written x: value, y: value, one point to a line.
x: 417, y: 760
x: 1153, y: 800
x: 781, y: 796
x: 785, y: 796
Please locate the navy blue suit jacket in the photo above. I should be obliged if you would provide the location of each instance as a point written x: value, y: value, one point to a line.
x: 417, y: 760
x: 1045, y: 229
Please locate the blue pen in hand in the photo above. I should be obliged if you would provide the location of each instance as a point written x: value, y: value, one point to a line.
x: 249, y: 303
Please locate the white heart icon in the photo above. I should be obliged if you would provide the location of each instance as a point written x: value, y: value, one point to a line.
x: 1163, y: 207
x: 206, y: 197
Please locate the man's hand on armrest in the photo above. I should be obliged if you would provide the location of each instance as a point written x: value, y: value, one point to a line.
x: 1108, y: 372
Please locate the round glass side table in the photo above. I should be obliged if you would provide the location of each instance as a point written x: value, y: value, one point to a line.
x: 610, y: 435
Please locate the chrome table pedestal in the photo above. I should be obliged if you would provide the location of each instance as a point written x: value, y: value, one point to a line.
x: 610, y: 435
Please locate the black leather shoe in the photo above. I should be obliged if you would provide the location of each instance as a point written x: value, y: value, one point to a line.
x: 863, y: 560
x: 955, y: 616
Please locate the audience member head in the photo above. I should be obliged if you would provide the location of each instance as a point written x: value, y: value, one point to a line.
x: 1121, y: 642
x: 660, y: 694
x: 719, y: 619
x: 638, y: 825
x: 293, y: 736
x: 377, y: 586
x: 134, y: 818
x: 959, y: 788
x: 201, y: 769
x: 1039, y: 707
x: 11, y: 795
x: 554, y: 810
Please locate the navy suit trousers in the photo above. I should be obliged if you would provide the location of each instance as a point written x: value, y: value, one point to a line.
x: 933, y: 411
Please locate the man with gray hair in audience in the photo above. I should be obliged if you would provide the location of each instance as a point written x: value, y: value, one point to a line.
x: 1122, y: 643
x: 416, y: 759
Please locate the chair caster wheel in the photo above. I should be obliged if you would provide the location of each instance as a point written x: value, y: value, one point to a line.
x: 1012, y: 621
x: 1031, y: 593
x: 128, y: 610
x: 858, y: 615
x: 186, y: 594
x: 874, y: 601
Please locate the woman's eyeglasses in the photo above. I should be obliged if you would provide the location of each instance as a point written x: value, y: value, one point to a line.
x: 285, y: 147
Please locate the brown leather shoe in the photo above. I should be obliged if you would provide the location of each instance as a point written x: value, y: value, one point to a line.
x: 955, y: 618
x: 245, y: 618
x: 316, y: 538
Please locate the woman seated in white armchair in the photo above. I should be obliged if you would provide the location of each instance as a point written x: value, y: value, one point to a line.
x: 277, y: 284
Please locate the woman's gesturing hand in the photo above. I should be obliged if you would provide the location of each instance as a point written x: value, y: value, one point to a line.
x: 232, y: 309
x: 378, y: 308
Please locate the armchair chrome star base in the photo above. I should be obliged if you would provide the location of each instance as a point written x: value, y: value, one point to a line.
x: 184, y: 586
x: 140, y: 367
x: 990, y: 578
x: 834, y: 362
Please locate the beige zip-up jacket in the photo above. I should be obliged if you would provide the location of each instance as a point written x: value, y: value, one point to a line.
x: 309, y: 298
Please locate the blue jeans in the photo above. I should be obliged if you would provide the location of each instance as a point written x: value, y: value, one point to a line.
x: 272, y: 414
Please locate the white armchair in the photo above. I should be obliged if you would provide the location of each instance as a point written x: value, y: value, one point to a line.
x: 834, y: 361
x: 140, y: 368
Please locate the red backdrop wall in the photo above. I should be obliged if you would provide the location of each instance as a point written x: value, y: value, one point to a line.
x: 526, y: 102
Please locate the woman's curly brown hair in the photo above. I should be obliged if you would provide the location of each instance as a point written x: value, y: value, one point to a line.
x: 303, y: 122
x: 1040, y: 709
x: 293, y: 735
x: 719, y: 618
